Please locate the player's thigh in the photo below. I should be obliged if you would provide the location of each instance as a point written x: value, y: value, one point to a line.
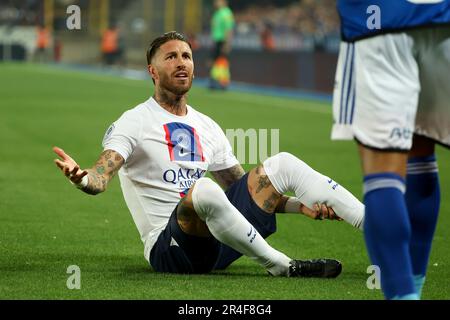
x: 178, y: 252
x: 376, y: 93
x: 241, y: 198
x: 433, y: 56
x: 188, y: 220
x: 262, y: 191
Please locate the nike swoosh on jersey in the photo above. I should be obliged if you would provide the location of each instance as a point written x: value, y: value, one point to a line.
x: 181, y: 153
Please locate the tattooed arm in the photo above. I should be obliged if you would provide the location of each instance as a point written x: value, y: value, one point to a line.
x: 99, y: 175
x: 103, y: 171
x: 227, y: 177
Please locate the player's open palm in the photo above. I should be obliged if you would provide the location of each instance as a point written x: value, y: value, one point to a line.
x: 68, y: 166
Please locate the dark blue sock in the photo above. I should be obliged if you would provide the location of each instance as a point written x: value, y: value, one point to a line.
x: 387, y: 232
x: 422, y: 199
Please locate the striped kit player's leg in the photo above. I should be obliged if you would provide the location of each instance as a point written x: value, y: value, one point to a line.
x: 401, y: 88
x: 382, y: 76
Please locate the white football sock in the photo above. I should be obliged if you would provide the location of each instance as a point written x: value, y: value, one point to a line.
x: 288, y: 173
x: 230, y: 227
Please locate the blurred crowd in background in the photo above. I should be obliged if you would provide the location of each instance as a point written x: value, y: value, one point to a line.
x: 260, y: 24
x: 117, y: 32
x: 297, y: 25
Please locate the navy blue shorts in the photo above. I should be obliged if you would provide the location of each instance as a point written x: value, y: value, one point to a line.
x: 178, y: 252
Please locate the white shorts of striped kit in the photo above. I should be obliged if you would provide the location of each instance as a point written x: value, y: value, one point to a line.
x: 391, y: 86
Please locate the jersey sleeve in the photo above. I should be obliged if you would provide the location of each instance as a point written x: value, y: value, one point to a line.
x: 223, y: 153
x: 124, y: 134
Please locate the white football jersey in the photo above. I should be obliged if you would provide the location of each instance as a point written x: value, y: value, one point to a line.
x: 164, y: 155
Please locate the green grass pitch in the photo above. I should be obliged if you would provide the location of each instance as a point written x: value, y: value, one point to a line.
x: 47, y: 225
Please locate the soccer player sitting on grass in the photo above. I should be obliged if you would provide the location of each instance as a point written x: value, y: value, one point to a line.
x: 188, y: 224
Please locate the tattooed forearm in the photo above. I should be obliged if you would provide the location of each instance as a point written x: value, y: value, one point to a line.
x: 100, y: 169
x: 96, y: 183
x: 227, y: 177
x: 103, y: 171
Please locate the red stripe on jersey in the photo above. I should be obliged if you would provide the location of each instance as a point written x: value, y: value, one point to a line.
x: 169, y: 142
x: 199, y: 146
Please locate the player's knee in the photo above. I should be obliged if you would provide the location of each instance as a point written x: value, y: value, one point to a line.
x: 285, y: 157
x: 205, y: 185
x: 207, y: 196
x: 284, y: 163
x: 277, y: 163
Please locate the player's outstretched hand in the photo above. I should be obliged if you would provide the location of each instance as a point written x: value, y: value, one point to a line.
x: 68, y: 166
x: 320, y: 212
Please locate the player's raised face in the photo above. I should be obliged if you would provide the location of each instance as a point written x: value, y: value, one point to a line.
x: 172, y: 67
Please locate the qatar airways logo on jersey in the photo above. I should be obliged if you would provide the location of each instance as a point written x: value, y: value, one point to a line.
x: 183, y: 142
x: 183, y: 178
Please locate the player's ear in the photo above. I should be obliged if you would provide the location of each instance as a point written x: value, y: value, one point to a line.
x: 152, y: 71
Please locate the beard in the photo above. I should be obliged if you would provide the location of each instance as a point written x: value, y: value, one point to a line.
x: 169, y: 83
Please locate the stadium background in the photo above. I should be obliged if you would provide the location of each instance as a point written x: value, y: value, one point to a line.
x: 306, y: 35
x: 71, y: 98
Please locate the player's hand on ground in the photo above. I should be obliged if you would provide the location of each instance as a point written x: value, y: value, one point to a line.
x: 68, y: 166
x: 319, y: 212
